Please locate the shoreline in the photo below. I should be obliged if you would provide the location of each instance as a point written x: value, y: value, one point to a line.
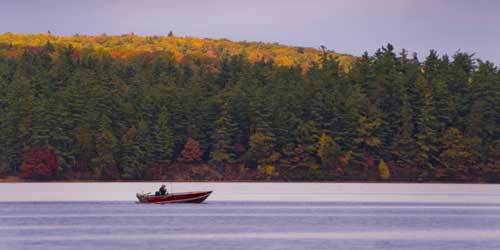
x: 14, y: 180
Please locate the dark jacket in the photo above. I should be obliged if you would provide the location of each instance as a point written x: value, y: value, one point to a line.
x: 163, y: 191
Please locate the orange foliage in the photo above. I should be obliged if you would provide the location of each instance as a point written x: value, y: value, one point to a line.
x: 130, y: 45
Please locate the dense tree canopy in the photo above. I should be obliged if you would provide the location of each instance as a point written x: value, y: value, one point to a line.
x: 120, y: 107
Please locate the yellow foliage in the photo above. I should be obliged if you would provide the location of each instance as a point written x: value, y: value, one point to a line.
x: 275, y: 157
x: 366, y: 132
x: 348, y: 155
x: 323, y: 143
x: 373, y: 141
x: 313, y: 165
x: 344, y: 161
x: 242, y: 169
x: 327, y: 150
x: 383, y: 170
x: 268, y: 170
x: 129, y: 45
x: 284, y: 61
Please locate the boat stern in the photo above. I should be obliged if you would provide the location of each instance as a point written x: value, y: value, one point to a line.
x: 140, y: 197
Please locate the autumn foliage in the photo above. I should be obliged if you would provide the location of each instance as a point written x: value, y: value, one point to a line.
x: 191, y: 152
x: 128, y: 107
x: 130, y: 47
x: 384, y: 171
x: 39, y: 164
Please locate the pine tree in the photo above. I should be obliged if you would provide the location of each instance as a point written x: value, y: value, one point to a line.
x: 459, y: 79
x: 104, y: 164
x: 307, y: 135
x: 222, y: 138
x: 143, y: 140
x: 385, y: 93
x: 426, y: 127
x: 367, y: 138
x: 484, y: 114
x: 132, y: 162
x: 261, y: 148
x: 347, y: 107
x: 14, y: 128
x: 60, y: 124
x: 39, y: 131
x: 404, y: 148
x: 458, y: 155
x: 439, y: 81
x: 262, y: 138
x: 83, y: 145
x: 163, y: 145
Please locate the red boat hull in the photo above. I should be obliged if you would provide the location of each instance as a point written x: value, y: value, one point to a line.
x: 191, y: 197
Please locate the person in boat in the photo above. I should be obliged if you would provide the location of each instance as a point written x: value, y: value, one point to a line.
x: 162, y: 191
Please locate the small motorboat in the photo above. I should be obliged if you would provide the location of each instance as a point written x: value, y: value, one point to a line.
x: 188, y: 197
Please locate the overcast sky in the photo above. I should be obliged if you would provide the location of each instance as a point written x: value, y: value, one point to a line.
x: 346, y: 26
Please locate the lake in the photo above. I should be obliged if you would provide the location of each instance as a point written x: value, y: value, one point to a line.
x: 53, y: 216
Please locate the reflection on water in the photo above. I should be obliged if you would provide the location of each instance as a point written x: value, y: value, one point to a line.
x: 349, y: 216
x: 354, y: 192
x: 367, y: 214
x: 451, y: 235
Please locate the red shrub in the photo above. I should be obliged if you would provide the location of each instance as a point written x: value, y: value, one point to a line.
x: 39, y: 164
x: 368, y: 160
x: 131, y: 133
x: 154, y: 172
x: 191, y: 152
x: 342, y: 161
x: 75, y: 56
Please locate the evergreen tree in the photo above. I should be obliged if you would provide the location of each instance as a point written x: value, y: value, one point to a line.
x: 104, y: 164
x: 426, y: 124
x: 458, y: 155
x: 262, y: 138
x: 259, y: 105
x: 144, y: 142
x: 307, y: 136
x: 222, y: 138
x: 484, y: 114
x: 132, y: 162
x: 404, y: 148
x: 163, y: 145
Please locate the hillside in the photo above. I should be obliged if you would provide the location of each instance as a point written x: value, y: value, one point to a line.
x: 142, y: 108
x: 128, y: 46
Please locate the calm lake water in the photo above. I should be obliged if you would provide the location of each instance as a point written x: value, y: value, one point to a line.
x: 52, y: 216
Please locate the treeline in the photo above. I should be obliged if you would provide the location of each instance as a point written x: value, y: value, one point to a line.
x: 387, y: 116
x: 206, y: 50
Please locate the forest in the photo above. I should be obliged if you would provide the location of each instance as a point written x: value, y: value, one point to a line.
x: 115, y: 108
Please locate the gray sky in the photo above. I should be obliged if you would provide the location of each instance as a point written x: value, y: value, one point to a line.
x: 346, y: 26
